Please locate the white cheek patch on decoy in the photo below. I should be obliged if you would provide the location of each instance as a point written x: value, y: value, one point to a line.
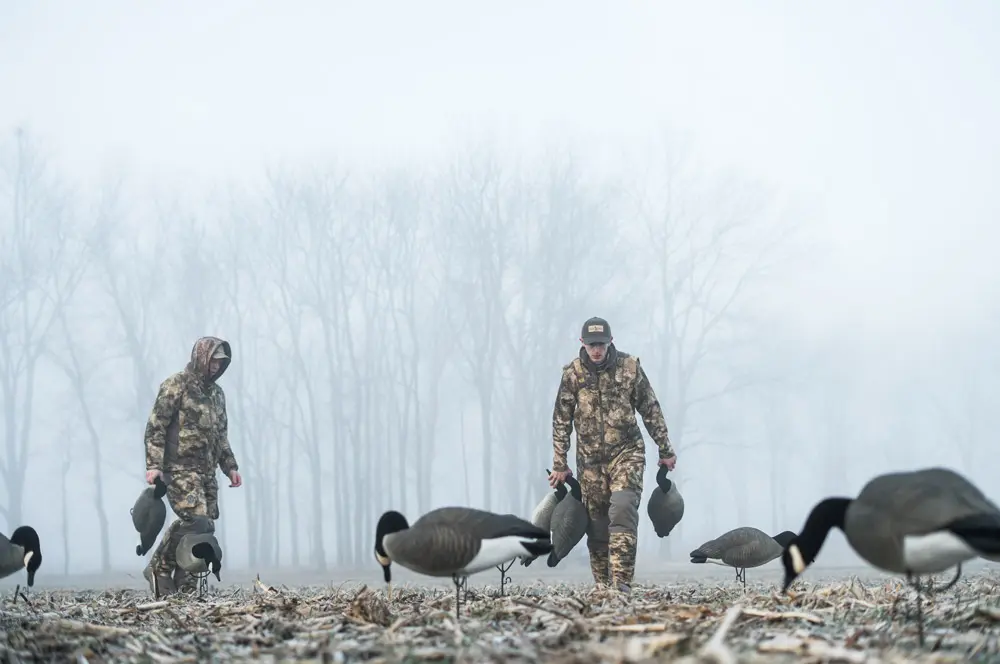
x: 27, y: 557
x: 798, y: 564
x: 382, y: 560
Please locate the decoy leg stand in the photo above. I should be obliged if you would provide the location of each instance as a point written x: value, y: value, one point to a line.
x: 504, y: 579
x: 459, y: 585
x: 741, y: 575
x: 915, y: 582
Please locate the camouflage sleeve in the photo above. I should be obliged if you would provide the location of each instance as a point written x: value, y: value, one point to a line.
x: 562, y: 420
x: 648, y: 406
x: 168, y: 400
x: 227, y: 460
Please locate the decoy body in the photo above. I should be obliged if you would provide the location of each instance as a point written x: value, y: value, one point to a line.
x: 455, y: 542
x: 542, y: 516
x: 569, y: 522
x: 666, y: 505
x: 912, y: 523
x: 742, y: 548
x: 148, y: 515
x: 21, y: 551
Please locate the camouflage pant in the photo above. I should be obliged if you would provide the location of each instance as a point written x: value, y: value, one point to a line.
x: 190, y: 494
x: 612, y: 492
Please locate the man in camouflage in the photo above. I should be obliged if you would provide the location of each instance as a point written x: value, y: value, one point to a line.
x: 599, y: 393
x: 187, y: 436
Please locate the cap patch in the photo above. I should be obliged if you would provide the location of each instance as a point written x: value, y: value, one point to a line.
x: 595, y: 328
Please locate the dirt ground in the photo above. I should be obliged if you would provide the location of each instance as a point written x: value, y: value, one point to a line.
x: 674, y: 613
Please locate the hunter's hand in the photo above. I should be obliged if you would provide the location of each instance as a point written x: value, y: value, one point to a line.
x: 669, y: 462
x: 151, y: 476
x: 235, y: 479
x: 557, y: 478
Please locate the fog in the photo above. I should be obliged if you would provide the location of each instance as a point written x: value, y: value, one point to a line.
x: 399, y: 215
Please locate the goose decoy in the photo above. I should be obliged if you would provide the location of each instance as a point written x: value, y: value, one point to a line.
x: 148, y: 515
x: 455, y: 542
x: 912, y: 523
x: 197, y: 553
x: 542, y: 516
x: 742, y: 548
x: 666, y: 505
x: 570, y: 520
x: 22, y: 551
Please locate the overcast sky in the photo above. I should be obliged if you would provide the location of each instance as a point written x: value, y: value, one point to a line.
x: 881, y: 116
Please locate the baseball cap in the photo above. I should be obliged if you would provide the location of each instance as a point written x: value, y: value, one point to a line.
x: 596, y: 331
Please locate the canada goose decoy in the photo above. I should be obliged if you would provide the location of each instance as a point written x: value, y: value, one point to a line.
x: 455, y: 542
x: 22, y: 551
x: 742, y: 548
x: 913, y: 523
x: 148, y: 515
x: 198, y: 553
x: 570, y: 520
x: 542, y: 516
x: 666, y: 505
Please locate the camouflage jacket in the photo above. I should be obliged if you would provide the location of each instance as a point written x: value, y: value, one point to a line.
x: 601, y: 404
x: 188, y: 428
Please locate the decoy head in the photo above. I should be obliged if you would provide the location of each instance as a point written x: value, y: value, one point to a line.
x: 206, y: 552
x: 390, y: 522
x: 26, y: 538
x: 784, y: 537
x: 661, y: 479
x: 561, y: 491
x: 159, y: 488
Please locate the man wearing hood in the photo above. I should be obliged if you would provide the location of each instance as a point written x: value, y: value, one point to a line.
x: 186, y: 438
x: 599, y: 394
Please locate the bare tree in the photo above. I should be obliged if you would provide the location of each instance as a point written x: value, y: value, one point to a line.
x: 478, y: 246
x: 36, y: 256
x: 706, y: 243
x: 565, y: 248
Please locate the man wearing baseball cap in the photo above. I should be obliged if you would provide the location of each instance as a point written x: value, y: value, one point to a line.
x: 599, y: 394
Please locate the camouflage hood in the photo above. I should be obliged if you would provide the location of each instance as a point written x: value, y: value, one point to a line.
x: 201, y: 354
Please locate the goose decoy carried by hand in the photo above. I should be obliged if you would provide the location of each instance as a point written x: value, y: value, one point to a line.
x: 912, y: 523
x: 742, y: 548
x: 542, y: 516
x: 666, y: 505
x: 148, y: 515
x: 570, y: 520
x: 22, y: 551
x: 455, y: 542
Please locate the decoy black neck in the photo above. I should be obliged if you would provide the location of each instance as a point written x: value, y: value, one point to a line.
x: 159, y: 488
x: 661, y: 479
x: 26, y: 538
x: 561, y: 491
x: 826, y: 514
x: 574, y: 488
x: 390, y: 522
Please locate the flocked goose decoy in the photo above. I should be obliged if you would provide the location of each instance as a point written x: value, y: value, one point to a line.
x: 198, y: 552
x: 455, y: 542
x: 542, y: 516
x: 569, y: 523
x: 666, y: 505
x: 22, y: 551
x: 148, y: 515
x: 912, y: 523
x: 742, y: 548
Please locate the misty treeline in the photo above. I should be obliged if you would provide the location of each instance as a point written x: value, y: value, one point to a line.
x: 398, y: 337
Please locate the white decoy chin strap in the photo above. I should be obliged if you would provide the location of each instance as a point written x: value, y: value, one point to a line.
x: 27, y: 557
x: 798, y: 564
